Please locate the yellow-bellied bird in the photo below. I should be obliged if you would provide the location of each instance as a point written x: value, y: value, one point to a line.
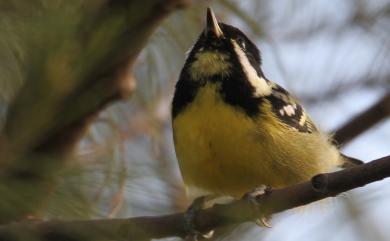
x: 234, y: 129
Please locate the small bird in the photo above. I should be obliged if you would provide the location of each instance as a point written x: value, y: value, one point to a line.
x: 234, y: 129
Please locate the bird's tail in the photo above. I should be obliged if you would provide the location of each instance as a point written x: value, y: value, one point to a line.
x: 349, y: 162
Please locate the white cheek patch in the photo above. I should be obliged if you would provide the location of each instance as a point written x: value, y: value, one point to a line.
x: 261, y: 86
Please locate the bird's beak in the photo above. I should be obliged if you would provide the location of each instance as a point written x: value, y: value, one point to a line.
x: 212, y: 24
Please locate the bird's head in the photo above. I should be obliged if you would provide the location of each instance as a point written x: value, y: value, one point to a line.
x: 221, y: 50
x: 226, y: 61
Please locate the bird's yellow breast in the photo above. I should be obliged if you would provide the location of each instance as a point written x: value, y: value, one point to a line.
x: 223, y: 151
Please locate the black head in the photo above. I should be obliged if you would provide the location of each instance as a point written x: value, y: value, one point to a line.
x: 220, y: 38
x: 227, y: 57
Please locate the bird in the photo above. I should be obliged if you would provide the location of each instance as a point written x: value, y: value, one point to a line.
x: 234, y: 129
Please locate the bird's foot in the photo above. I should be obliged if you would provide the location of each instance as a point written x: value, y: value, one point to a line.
x: 251, y: 197
x: 193, y: 234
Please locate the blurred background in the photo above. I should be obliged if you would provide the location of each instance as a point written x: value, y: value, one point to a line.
x: 333, y: 55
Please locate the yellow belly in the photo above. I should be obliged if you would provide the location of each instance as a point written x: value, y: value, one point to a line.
x: 223, y: 151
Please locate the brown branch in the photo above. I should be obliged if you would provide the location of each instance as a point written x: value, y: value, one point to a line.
x: 65, y: 115
x: 33, y: 150
x: 146, y: 228
x: 364, y: 121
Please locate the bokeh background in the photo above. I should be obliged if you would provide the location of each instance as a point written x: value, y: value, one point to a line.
x: 332, y: 55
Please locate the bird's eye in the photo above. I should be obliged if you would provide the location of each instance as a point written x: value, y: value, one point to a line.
x: 241, y: 42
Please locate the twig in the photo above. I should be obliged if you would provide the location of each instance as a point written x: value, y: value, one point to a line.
x: 363, y: 121
x: 146, y: 228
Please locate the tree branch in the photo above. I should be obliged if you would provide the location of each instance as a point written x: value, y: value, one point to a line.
x: 364, y: 121
x: 33, y: 150
x: 146, y: 228
x: 64, y: 114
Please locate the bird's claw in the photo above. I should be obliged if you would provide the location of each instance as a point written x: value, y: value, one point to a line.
x: 251, y: 197
x: 263, y: 222
x: 193, y: 234
x: 197, y: 236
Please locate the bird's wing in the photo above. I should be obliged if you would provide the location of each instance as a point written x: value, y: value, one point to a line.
x: 289, y: 111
